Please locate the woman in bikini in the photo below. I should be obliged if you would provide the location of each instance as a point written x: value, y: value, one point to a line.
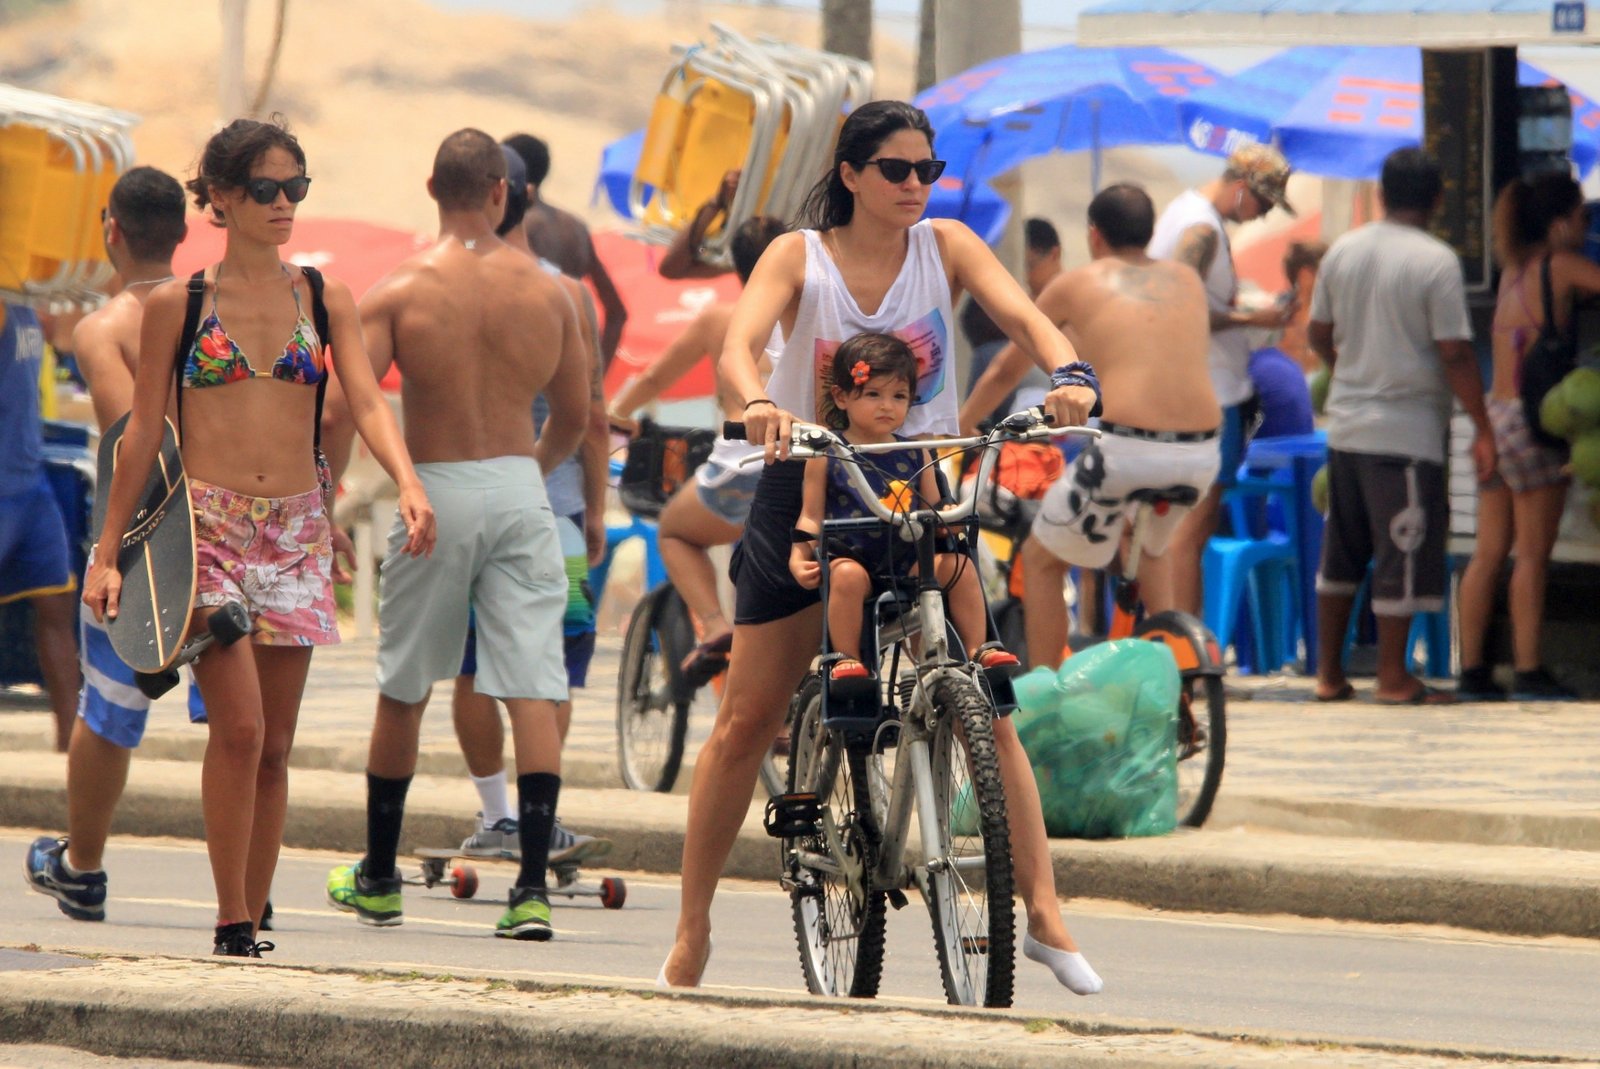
x: 1536, y: 221
x: 248, y: 407
x: 865, y: 261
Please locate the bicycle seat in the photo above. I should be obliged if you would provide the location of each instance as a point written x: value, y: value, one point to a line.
x: 1171, y: 495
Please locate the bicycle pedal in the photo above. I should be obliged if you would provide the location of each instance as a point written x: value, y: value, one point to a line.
x: 897, y: 898
x: 793, y: 816
x: 975, y: 944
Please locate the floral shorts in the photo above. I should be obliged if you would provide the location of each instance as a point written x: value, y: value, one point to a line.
x: 1522, y: 460
x: 274, y: 555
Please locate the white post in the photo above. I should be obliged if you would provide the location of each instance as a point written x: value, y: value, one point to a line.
x: 230, y: 62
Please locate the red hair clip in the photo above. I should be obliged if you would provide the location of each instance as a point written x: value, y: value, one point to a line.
x: 860, y: 373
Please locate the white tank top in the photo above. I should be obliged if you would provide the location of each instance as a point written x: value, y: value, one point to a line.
x: 916, y: 309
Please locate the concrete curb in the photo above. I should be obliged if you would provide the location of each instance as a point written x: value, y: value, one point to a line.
x: 1510, y: 890
x: 274, y: 1015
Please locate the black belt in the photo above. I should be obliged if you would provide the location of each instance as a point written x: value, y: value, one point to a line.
x: 1125, y: 431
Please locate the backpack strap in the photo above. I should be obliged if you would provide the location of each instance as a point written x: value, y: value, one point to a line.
x: 191, y: 327
x: 319, y: 320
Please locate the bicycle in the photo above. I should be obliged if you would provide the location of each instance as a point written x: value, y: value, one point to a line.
x: 654, y: 696
x: 845, y: 819
x: 1203, y: 737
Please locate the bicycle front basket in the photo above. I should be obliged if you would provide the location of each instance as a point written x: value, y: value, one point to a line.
x: 660, y: 460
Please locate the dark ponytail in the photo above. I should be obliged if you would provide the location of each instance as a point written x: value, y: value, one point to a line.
x: 830, y: 204
x: 1525, y: 211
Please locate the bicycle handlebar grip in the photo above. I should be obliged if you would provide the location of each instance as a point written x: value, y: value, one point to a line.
x: 733, y: 430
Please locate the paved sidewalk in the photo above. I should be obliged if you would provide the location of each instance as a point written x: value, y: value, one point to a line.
x: 1498, y: 805
x: 281, y: 1015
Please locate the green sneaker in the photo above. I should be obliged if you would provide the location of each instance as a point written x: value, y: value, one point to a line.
x: 528, y: 916
x: 375, y: 902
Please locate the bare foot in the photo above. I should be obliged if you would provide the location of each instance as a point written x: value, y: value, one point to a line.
x: 673, y: 972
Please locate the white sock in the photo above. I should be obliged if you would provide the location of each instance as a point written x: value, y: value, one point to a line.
x: 1070, y: 967
x: 492, y: 793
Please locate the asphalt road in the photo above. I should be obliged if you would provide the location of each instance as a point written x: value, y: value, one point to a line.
x: 1429, y: 986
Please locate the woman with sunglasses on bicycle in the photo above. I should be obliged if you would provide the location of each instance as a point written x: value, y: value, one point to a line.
x: 247, y: 413
x: 865, y: 261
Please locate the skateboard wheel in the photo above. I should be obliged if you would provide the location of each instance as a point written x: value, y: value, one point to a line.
x: 613, y: 892
x: 229, y: 623
x: 154, y: 684
x: 463, y: 881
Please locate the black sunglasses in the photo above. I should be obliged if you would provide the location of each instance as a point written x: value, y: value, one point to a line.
x: 265, y: 190
x: 896, y: 170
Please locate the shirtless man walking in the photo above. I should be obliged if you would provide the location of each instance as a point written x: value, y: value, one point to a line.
x: 144, y: 222
x: 456, y: 319
x: 1144, y: 325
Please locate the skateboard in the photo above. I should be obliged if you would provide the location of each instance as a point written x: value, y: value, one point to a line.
x: 458, y: 871
x: 157, y: 562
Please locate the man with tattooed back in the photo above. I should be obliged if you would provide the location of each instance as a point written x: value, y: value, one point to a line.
x: 1192, y: 231
x: 1143, y: 324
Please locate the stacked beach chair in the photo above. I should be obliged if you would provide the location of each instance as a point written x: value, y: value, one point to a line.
x: 58, y: 161
x: 766, y: 108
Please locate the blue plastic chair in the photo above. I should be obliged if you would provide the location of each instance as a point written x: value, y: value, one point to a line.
x: 1250, y: 600
x: 1430, y: 630
x: 655, y: 572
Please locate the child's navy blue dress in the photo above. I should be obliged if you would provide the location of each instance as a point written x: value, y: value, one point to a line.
x: 879, y: 550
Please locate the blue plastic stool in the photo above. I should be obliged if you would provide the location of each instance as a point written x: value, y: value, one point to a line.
x: 1254, y: 579
x: 1429, y: 629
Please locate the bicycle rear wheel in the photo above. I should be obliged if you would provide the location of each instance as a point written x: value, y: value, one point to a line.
x: 652, y: 706
x: 839, y: 919
x: 1202, y: 747
x: 968, y: 885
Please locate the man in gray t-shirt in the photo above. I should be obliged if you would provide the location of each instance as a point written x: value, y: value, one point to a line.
x: 1389, y: 316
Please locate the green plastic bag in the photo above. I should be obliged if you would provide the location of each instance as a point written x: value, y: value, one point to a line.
x: 1102, y: 736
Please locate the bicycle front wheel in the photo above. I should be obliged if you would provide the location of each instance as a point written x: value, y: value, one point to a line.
x: 839, y: 919
x: 969, y: 881
x: 652, y: 708
x: 1202, y: 747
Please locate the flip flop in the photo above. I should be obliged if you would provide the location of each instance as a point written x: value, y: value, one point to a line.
x: 1343, y: 694
x: 707, y: 660
x: 1425, y: 695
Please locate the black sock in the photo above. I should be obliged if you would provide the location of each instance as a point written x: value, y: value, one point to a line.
x: 386, y: 807
x: 536, y: 818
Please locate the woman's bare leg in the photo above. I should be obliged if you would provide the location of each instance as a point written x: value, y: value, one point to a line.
x: 1536, y: 519
x: 232, y: 693
x: 282, y: 674
x: 1478, y: 580
x: 766, y: 666
x: 687, y: 530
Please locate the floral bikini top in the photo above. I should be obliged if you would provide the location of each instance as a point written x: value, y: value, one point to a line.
x: 215, y: 360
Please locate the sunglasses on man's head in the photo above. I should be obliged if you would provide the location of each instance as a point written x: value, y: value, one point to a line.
x: 896, y: 170
x: 265, y: 190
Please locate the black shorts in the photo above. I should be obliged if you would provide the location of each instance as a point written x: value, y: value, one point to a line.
x: 764, y: 589
x: 1391, y: 512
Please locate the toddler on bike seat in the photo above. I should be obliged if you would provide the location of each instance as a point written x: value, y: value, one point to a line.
x: 870, y: 382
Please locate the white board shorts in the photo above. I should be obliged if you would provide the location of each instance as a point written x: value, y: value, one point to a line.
x: 1083, y: 514
x: 499, y: 553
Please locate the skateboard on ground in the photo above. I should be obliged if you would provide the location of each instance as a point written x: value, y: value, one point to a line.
x: 157, y: 562
x: 457, y: 871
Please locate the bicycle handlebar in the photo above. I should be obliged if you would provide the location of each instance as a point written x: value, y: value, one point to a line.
x: 807, y: 440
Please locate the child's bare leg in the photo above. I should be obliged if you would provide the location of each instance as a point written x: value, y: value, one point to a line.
x: 964, y: 597
x: 848, y: 587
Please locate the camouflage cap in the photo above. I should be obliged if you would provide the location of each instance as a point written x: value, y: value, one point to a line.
x: 1264, y: 170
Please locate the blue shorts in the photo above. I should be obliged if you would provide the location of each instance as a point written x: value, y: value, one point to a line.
x: 110, y: 701
x: 34, y: 556
x: 727, y: 492
x: 1239, y: 425
x: 577, y: 626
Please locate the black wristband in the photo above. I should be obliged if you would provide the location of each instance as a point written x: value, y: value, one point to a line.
x: 760, y: 401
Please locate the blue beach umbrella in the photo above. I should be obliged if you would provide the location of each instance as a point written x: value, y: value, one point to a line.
x: 975, y: 203
x: 1068, y: 99
x: 1338, y: 111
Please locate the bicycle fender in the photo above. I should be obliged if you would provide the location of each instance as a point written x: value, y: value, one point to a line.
x: 1191, y: 642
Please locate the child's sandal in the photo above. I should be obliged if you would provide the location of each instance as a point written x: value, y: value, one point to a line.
x: 848, y: 668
